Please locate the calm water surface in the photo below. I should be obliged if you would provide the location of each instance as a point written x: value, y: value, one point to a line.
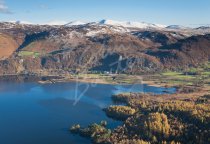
x: 32, y: 113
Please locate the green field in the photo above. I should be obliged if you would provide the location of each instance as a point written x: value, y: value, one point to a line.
x: 28, y: 53
x: 191, y: 76
x: 177, y: 75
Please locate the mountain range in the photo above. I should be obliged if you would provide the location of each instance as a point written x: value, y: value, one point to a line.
x: 100, y: 46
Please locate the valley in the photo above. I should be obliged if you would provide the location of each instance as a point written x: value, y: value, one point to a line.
x: 138, y: 83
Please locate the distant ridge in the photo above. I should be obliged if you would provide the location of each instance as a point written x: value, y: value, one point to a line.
x: 125, y: 24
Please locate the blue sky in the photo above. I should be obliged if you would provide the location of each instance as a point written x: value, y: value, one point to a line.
x: 182, y: 12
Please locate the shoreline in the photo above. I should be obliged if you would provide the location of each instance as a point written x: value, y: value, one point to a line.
x: 85, y: 79
x: 102, y: 81
x: 93, y: 79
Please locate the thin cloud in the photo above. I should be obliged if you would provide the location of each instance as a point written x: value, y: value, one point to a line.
x: 3, y: 8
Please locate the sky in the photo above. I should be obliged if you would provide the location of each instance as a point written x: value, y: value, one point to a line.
x: 168, y: 12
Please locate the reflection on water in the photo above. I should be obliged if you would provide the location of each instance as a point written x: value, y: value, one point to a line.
x: 34, y: 113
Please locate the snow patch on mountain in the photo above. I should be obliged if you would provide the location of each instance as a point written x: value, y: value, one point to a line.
x: 96, y: 32
x: 97, y: 29
x: 176, y: 27
x: 126, y: 24
x: 21, y: 22
x: 203, y: 28
x: 74, y: 23
x: 55, y: 22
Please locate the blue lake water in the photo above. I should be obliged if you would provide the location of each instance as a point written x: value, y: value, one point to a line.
x: 32, y: 113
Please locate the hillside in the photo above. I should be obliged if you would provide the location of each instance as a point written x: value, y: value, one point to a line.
x: 7, y: 46
x: 190, y: 52
x: 103, y: 46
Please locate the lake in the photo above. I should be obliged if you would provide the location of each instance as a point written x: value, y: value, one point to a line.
x: 33, y: 113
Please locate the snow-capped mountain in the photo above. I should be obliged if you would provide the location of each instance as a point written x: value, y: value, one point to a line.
x: 203, y: 27
x: 127, y: 24
x: 108, y: 26
x: 20, y: 22
x: 73, y: 23
x: 177, y: 27
x: 55, y: 22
